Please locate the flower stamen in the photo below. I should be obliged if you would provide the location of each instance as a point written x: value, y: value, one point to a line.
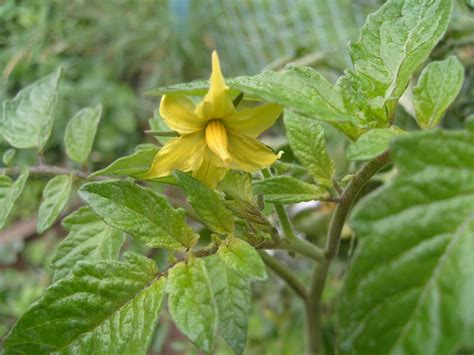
x: 216, y: 139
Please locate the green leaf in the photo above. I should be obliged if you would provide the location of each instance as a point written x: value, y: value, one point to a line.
x: 140, y: 211
x: 409, y: 288
x: 80, y: 133
x: 28, y: 118
x: 8, y: 156
x: 107, y: 307
x: 233, y: 295
x: 89, y: 239
x: 191, y: 302
x: 438, y: 86
x: 372, y: 143
x: 308, y: 143
x: 240, y: 256
x: 237, y: 185
x: 135, y: 165
x: 9, y: 193
x: 287, y: 189
x: 207, y: 204
x: 393, y: 43
x: 55, y: 196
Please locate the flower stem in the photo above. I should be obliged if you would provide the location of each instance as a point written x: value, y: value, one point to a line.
x: 49, y: 170
x: 320, y: 271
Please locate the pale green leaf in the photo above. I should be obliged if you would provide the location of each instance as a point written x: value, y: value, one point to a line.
x: 393, y: 43
x: 237, y: 185
x: 438, y: 86
x: 55, y: 196
x: 9, y: 193
x: 80, y: 133
x: 372, y: 143
x: 191, y: 302
x: 240, y: 256
x: 135, y: 165
x: 8, y: 156
x: 140, y: 211
x: 208, y: 205
x: 89, y: 239
x: 107, y: 307
x: 308, y: 143
x: 28, y: 118
x: 287, y: 189
x: 409, y: 288
x: 233, y: 295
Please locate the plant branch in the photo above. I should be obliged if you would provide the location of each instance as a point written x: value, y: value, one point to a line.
x: 299, y: 246
x: 49, y: 170
x: 285, y: 274
x: 313, y: 303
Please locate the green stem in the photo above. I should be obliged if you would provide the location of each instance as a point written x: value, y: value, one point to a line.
x: 313, y: 303
x: 49, y: 170
x: 162, y: 133
x: 285, y: 274
x: 302, y: 247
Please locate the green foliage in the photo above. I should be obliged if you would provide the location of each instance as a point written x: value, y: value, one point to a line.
x: 415, y: 253
x: 89, y: 239
x: 308, y: 143
x: 372, y: 143
x: 207, y: 204
x: 55, y: 196
x: 437, y: 87
x: 241, y: 257
x: 80, y: 133
x: 28, y: 118
x: 287, y: 189
x: 8, y: 156
x: 393, y: 43
x: 140, y: 211
x: 191, y: 302
x: 106, y: 306
x: 9, y: 193
x: 232, y: 294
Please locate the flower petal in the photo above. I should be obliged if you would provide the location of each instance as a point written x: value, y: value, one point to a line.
x: 178, y: 113
x: 210, y: 171
x: 184, y: 153
x: 217, y: 103
x: 253, y: 121
x: 249, y: 154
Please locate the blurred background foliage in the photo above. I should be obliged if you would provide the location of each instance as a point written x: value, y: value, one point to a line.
x: 113, y: 50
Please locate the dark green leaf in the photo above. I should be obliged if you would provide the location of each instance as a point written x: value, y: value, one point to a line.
x: 108, y: 307
x: 287, y: 189
x: 372, y: 143
x: 55, y: 196
x: 191, y: 302
x: 409, y: 289
x: 140, y: 211
x: 207, y: 204
x: 9, y: 193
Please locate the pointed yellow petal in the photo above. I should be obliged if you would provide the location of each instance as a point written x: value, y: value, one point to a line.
x: 253, y: 121
x: 210, y: 172
x: 217, y: 103
x: 184, y: 153
x: 249, y: 154
x: 178, y: 113
x: 216, y: 139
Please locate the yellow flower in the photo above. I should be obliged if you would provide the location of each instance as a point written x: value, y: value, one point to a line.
x: 214, y: 137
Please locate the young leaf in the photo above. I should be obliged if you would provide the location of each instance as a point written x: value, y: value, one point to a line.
x: 191, y: 303
x: 9, y: 193
x: 409, y: 288
x: 240, y: 256
x: 55, y: 196
x: 8, y: 156
x: 135, y: 165
x: 237, y: 185
x: 207, y: 204
x: 393, y: 43
x: 28, y: 118
x: 89, y: 239
x: 287, y: 189
x: 372, y: 143
x: 307, y: 141
x: 438, y: 86
x: 232, y: 293
x: 140, y: 211
x: 107, y: 307
x: 80, y: 133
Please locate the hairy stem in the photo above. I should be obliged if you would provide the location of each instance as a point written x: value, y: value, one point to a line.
x: 49, y: 170
x: 285, y: 274
x: 302, y: 247
x: 313, y: 303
